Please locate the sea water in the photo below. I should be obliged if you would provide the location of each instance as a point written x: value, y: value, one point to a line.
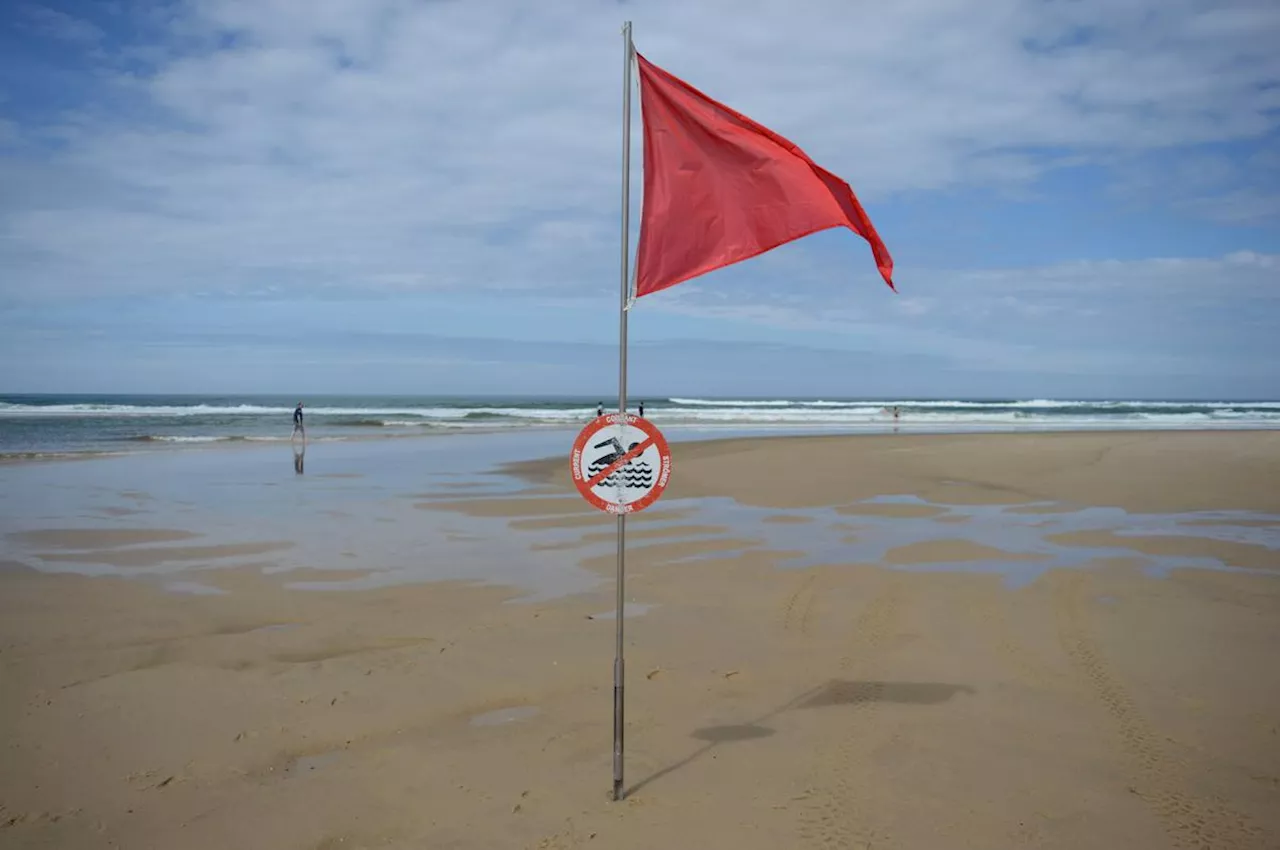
x: 51, y: 425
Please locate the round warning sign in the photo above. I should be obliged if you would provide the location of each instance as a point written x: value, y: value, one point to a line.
x: 621, y: 463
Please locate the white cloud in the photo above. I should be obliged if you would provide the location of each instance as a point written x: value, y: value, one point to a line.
x: 821, y: 294
x: 1246, y: 205
x: 1244, y: 273
x: 59, y: 25
x: 1187, y: 316
x: 1229, y: 190
x: 398, y: 144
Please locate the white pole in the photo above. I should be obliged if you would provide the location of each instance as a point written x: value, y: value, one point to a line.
x: 622, y: 402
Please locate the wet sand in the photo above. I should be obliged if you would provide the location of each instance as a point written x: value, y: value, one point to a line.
x: 827, y: 671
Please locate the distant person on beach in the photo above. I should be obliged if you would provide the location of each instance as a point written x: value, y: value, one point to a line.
x: 642, y: 409
x: 895, y: 413
x: 297, y: 423
x: 600, y: 408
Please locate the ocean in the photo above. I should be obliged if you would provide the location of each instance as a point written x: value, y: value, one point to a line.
x: 35, y: 426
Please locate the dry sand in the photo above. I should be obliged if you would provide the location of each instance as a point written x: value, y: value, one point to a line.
x: 846, y: 705
x: 1141, y: 471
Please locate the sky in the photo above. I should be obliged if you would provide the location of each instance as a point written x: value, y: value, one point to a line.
x: 1081, y: 197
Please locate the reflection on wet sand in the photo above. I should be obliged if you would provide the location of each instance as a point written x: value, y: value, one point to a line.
x: 910, y: 533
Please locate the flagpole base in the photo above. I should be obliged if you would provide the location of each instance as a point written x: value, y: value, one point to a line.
x: 618, y: 704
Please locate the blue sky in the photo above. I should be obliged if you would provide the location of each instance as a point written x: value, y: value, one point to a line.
x: 1082, y: 198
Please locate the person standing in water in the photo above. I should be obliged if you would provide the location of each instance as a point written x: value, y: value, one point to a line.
x: 642, y: 410
x: 600, y: 408
x: 297, y: 423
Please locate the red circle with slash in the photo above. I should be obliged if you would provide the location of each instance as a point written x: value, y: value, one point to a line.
x: 620, y: 463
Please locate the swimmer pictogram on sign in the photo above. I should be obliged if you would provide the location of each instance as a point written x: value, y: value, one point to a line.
x: 620, y: 463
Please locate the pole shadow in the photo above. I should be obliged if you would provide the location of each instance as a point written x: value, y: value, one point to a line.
x: 837, y: 692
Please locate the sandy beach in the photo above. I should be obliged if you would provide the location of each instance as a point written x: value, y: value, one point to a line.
x: 924, y: 641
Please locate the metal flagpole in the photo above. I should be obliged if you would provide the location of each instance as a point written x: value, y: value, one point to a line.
x: 622, y: 401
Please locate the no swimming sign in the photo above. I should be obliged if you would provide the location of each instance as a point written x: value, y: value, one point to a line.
x: 620, y: 463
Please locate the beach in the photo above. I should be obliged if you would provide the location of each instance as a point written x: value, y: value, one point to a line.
x: 1052, y: 640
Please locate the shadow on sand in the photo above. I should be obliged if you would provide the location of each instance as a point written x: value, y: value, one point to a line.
x: 837, y: 692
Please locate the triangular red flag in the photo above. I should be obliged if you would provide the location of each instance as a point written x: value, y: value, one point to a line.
x: 720, y: 188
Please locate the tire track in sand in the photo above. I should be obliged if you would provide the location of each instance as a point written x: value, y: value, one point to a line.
x: 833, y: 814
x: 1161, y: 780
x: 991, y: 619
x: 797, y: 608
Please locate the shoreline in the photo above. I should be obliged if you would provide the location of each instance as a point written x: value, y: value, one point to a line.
x: 687, y: 434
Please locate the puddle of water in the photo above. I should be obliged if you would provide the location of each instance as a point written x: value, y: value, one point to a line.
x: 546, y: 561
x: 629, y: 610
x: 193, y: 587
x: 372, y: 522
x: 825, y: 538
x: 505, y: 715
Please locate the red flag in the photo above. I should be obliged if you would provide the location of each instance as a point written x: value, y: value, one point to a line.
x: 719, y: 188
